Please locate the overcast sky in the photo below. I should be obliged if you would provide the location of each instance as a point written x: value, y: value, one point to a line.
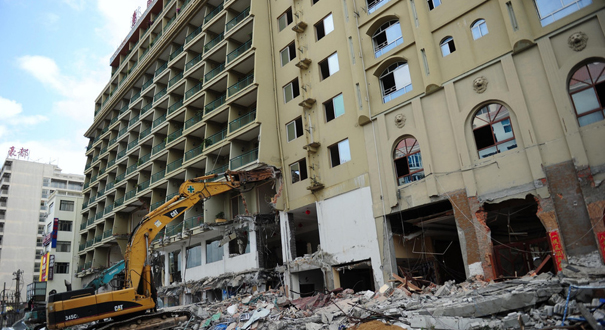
x: 53, y: 64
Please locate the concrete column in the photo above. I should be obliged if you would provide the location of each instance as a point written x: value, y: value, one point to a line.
x: 166, y: 269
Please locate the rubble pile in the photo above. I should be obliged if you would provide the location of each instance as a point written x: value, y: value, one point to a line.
x: 568, y: 300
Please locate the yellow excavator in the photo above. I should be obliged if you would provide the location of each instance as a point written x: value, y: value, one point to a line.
x: 136, y: 302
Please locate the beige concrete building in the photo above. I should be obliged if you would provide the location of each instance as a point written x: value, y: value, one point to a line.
x: 435, y: 136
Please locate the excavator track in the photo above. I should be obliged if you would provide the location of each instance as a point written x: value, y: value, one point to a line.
x: 154, y: 321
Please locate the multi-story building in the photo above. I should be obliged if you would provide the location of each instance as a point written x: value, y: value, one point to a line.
x: 24, y: 203
x: 59, y: 258
x: 340, y: 95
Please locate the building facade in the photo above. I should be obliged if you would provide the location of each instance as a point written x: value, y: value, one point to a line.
x: 24, y: 207
x: 426, y: 137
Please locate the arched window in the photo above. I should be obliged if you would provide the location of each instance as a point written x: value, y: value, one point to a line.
x: 587, y: 91
x: 387, y: 37
x: 479, y: 29
x: 408, y: 162
x: 395, y: 81
x: 447, y: 46
x: 493, y: 130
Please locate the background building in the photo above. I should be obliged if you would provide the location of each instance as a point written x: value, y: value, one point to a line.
x: 26, y: 187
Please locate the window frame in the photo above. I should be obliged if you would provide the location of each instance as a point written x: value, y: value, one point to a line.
x: 296, y: 122
x: 323, y: 23
x: 379, y: 51
x: 451, y: 45
x: 331, y: 101
x: 302, y: 170
x: 391, y: 70
x: 195, y: 262
x: 478, y: 26
x: 433, y: 4
x: 492, y: 121
x: 64, y: 244
x: 61, y: 268
x: 408, y: 152
x: 375, y: 5
x: 291, y: 57
x: 65, y: 205
x: 592, y: 86
x: 221, y: 248
x: 326, y: 61
x: 336, y: 146
x: 62, y: 223
x: 297, y: 91
x: 549, y: 17
x: 289, y: 19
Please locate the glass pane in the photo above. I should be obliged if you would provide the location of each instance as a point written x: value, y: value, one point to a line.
x: 476, y: 32
x: 502, y: 112
x: 282, y: 22
x: 585, y: 100
x: 339, y: 106
x: 288, y: 93
x: 502, y: 130
x: 415, y: 162
x: 344, y: 151
x: 488, y: 152
x: 328, y: 24
x: 481, y: 118
x: 333, y: 64
x: 445, y: 49
x: 591, y: 118
x: 393, y: 33
x: 508, y: 145
x: 483, y: 27
x: 285, y: 57
x: 402, y: 77
x: 596, y: 71
x: 547, y: 7
x: 295, y: 171
x: 291, y: 131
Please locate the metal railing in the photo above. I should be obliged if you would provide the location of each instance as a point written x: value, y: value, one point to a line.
x: 122, y: 131
x: 120, y: 177
x: 175, y: 79
x: 218, y: 170
x: 193, y: 90
x: 133, y: 144
x: 107, y: 233
x: 130, y: 194
x: 124, y: 108
x: 213, y: 13
x: 160, y: 235
x: 214, y: 72
x: 145, y: 133
x: 113, y: 141
x: 213, y: 42
x: 158, y: 176
x: 176, y: 105
x: 238, y: 19
x: 174, y: 165
x: 169, y: 196
x: 142, y: 186
x: 134, y: 120
x: 215, y: 104
x: 175, y: 53
x: 89, y: 243
x: 161, y: 69
x: 174, y: 135
x: 169, y: 23
x: 156, y: 205
x: 194, y: 152
x: 239, y: 50
x: 147, y: 84
x: 108, y: 208
x: 156, y: 39
x: 174, y: 229
x: 121, y: 154
x: 215, y: 138
x: 242, y: 121
x: 159, y: 94
x: 146, y: 108
x: 159, y: 121
x: 109, y: 186
x: 135, y: 97
x: 118, y: 202
x: 243, y: 83
x: 193, y: 221
x: 158, y: 147
x: 98, y: 238
x: 194, y: 120
x: 144, y: 159
x: 193, y: 34
x: 244, y: 159
x: 193, y: 61
x: 131, y: 169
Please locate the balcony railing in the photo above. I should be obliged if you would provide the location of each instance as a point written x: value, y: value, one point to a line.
x: 215, y: 104
x: 121, y: 154
x: 122, y: 80
x: 169, y: 196
x: 133, y: 120
x: 194, y: 120
x: 213, y: 13
x: 159, y: 94
x: 159, y: 121
x: 131, y: 169
x: 193, y: 90
x: 213, y: 42
x: 242, y: 121
x: 193, y: 34
x: 108, y: 208
x: 118, y: 202
x: 215, y: 138
x: 89, y: 243
x: 88, y: 264
x: 146, y: 84
x: 84, y: 205
x: 175, y: 53
x: 193, y: 61
x: 135, y: 97
x: 133, y: 66
x: 157, y: 37
x: 98, y: 238
x: 161, y: 69
x: 158, y: 176
x: 113, y: 120
x: 174, y: 165
x: 239, y: 50
x: 156, y: 205
x: 176, y: 105
x: 175, y: 79
x: 109, y: 186
x: 238, y: 19
x: 133, y: 144
x: 145, y: 133
x: 83, y: 226
x: 174, y: 135
x: 113, y: 141
x: 142, y: 186
x: 124, y: 108
x: 81, y: 247
x: 169, y: 23
x: 122, y: 131
x: 194, y: 152
x: 144, y: 159
x: 243, y: 83
x: 146, y: 108
x: 90, y: 221
x: 194, y: 221
x: 100, y: 193
x: 217, y: 171
x: 160, y: 235
x: 107, y: 233
x: 158, y: 147
x: 120, y: 177
x: 244, y: 159
x: 214, y: 72
x: 174, y: 229
x: 130, y: 194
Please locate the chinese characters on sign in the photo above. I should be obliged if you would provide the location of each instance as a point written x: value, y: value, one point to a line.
x: 557, y: 248
x: 135, y: 17
x: 21, y: 153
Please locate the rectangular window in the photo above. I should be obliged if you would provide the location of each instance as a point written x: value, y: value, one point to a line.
x: 63, y: 246
x: 237, y: 205
x: 329, y: 66
x: 194, y: 256
x: 62, y: 268
x: 340, y: 153
x: 552, y: 10
x: 324, y: 27
x: 288, y: 54
x: 214, y: 252
x: 334, y: 108
x: 65, y: 225
x: 285, y: 19
x: 433, y: 4
x: 66, y: 206
x: 294, y: 129
x: 299, y: 170
x: 291, y: 91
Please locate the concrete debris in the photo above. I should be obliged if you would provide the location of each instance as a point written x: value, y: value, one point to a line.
x: 528, y: 302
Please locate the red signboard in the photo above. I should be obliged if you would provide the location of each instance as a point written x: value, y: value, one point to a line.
x: 557, y: 248
x: 601, y: 238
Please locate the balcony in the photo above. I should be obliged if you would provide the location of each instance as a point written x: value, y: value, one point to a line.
x: 174, y: 135
x: 121, y: 154
x: 161, y: 69
x: 175, y: 106
x: 145, y: 133
x: 194, y: 120
x: 83, y: 225
x: 193, y: 34
x: 109, y: 186
x: 174, y: 165
x: 94, y: 178
x: 158, y: 148
x: 135, y: 97
x: 160, y: 235
x: 194, y: 221
x: 98, y: 239
x: 169, y: 23
x: 159, y: 94
x: 175, y: 79
x: 86, y: 185
x: 133, y: 66
x: 124, y: 108
x: 239, y: 50
x: 244, y: 159
x: 175, y: 53
x: 214, y: 72
x: 158, y: 176
x: 113, y: 141
x: 218, y: 170
x: 99, y: 215
x: 130, y: 194
x: 95, y: 158
x: 89, y: 244
x: 159, y: 121
x: 238, y: 19
x: 122, y: 80
x: 194, y: 152
x: 170, y: 231
x: 122, y: 131
x: 142, y: 186
x: 193, y: 61
x: 90, y: 221
x: 120, y: 177
x: 155, y: 39
x: 169, y: 196
x: 133, y: 144
x: 213, y: 13
x: 215, y: 104
x: 156, y: 205
x: 134, y: 120
x: 193, y: 90
x: 88, y: 264
x: 102, y: 171
x: 131, y: 169
x: 215, y: 138
x: 144, y: 159
x: 243, y: 83
x: 118, y: 202
x: 108, y: 208
x: 107, y: 233
x: 213, y: 42
x: 146, y: 108
x: 81, y: 247
x: 242, y: 121
x: 147, y: 84
x: 100, y: 193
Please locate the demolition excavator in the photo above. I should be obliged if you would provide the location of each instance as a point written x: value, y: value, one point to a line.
x: 135, y: 304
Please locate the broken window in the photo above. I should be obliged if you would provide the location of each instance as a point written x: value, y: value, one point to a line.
x: 408, y: 162
x: 395, y: 81
x: 340, y: 153
x: 62, y: 268
x: 433, y: 4
x: 373, y: 5
x: 294, y: 129
x: 241, y: 243
x: 387, y: 37
x: 194, y: 256
x: 299, y: 170
x: 174, y: 262
x: 479, y: 29
x: 447, y: 46
x: 324, y: 27
x: 329, y: 66
x: 334, y: 107
x: 214, y: 252
x: 285, y: 19
x: 288, y: 54
x: 291, y: 90
x: 237, y: 205
x: 587, y: 91
x: 493, y: 130
x: 552, y: 10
